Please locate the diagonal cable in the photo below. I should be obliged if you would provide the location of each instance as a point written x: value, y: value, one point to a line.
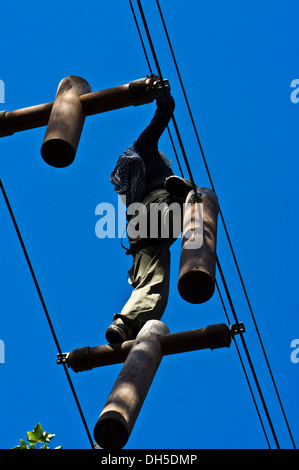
x: 189, y: 170
x: 248, y: 356
x: 161, y: 78
x: 151, y: 72
x: 243, y: 366
x: 45, y: 308
x: 224, y: 224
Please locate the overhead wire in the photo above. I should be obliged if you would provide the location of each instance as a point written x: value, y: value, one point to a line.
x: 151, y: 72
x: 194, y: 186
x: 243, y: 367
x: 161, y: 78
x: 218, y: 264
x: 249, y: 358
x: 224, y: 224
x: 45, y: 309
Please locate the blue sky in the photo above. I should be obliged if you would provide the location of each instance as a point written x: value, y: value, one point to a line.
x: 237, y: 61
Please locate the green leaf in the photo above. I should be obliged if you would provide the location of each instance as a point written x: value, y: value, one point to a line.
x: 47, y: 437
x: 36, y: 434
x: 23, y: 445
x: 36, y: 437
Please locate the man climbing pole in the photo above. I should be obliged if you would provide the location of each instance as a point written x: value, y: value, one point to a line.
x: 143, y: 175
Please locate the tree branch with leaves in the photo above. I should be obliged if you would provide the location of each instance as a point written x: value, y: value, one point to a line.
x: 37, y: 439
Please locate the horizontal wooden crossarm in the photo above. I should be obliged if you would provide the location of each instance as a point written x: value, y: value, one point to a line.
x: 211, y: 337
x: 134, y: 93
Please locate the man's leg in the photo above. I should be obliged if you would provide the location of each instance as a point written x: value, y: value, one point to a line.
x: 150, y: 279
x: 150, y: 272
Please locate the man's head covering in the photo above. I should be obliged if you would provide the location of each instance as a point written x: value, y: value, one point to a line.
x: 129, y: 177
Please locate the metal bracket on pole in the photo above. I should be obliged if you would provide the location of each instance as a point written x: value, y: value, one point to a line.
x: 160, y: 86
x: 62, y: 358
x: 196, y: 196
x: 237, y: 328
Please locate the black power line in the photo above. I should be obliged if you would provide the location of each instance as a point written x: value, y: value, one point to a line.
x: 45, y: 309
x: 151, y: 71
x: 243, y: 367
x: 189, y: 171
x: 172, y: 116
x: 248, y: 355
x: 224, y: 224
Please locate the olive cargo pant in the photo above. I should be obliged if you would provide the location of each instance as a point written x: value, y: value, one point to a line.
x: 150, y: 272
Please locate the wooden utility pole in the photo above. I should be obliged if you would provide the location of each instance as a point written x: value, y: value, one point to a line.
x: 121, y: 410
x: 65, y: 116
x: 141, y: 358
x: 65, y: 120
x: 87, y: 358
x: 196, y: 283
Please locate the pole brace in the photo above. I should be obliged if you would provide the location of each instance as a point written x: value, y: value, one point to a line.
x: 237, y: 328
x: 196, y: 196
x: 161, y: 85
x: 62, y: 358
